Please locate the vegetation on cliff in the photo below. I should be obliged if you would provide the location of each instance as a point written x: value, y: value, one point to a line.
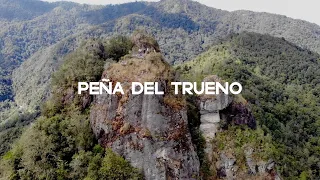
x: 60, y: 143
x: 281, y: 84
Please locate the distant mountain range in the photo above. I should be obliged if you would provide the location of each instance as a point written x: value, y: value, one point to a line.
x: 29, y: 26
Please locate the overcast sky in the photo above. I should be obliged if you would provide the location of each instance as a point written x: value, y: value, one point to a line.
x: 299, y: 9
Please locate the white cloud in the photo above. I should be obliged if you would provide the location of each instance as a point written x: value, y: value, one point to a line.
x: 306, y: 10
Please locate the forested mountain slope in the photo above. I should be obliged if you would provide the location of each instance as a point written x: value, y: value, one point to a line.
x: 21, y: 39
x: 20, y: 10
x: 60, y: 143
x: 172, y: 22
x: 281, y: 84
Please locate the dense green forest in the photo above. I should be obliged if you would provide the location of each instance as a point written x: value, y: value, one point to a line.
x: 281, y: 84
x: 27, y: 30
x: 61, y: 144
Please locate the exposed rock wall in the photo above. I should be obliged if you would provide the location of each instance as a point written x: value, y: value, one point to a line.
x: 147, y: 130
x: 238, y: 114
x: 222, y: 107
x: 210, y: 107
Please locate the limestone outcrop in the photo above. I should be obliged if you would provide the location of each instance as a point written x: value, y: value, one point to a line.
x: 210, y: 107
x: 217, y: 112
x: 150, y: 131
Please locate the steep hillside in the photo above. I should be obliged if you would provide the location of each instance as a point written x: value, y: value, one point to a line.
x: 20, y: 10
x: 60, y: 143
x: 183, y: 24
x: 35, y: 73
x: 302, y: 33
x: 21, y: 39
x: 281, y: 84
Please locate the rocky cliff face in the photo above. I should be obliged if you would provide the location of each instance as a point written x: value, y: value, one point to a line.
x: 214, y: 110
x: 150, y: 131
x: 210, y: 107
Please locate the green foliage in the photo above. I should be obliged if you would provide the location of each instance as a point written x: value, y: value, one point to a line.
x: 5, y: 85
x: 31, y: 81
x: 23, y: 10
x: 63, y: 148
x: 30, y: 40
x: 197, y: 139
x: 48, y: 146
x: 118, y: 47
x: 12, y: 123
x: 280, y: 83
x: 84, y: 65
x: 172, y: 20
x: 30, y: 28
x: 141, y: 39
x: 115, y: 167
x: 109, y: 165
x: 60, y: 144
x: 25, y: 37
x: 238, y: 139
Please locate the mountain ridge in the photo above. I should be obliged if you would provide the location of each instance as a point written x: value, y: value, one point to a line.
x: 196, y: 36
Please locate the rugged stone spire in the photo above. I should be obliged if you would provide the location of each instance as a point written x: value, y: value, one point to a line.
x: 150, y: 131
